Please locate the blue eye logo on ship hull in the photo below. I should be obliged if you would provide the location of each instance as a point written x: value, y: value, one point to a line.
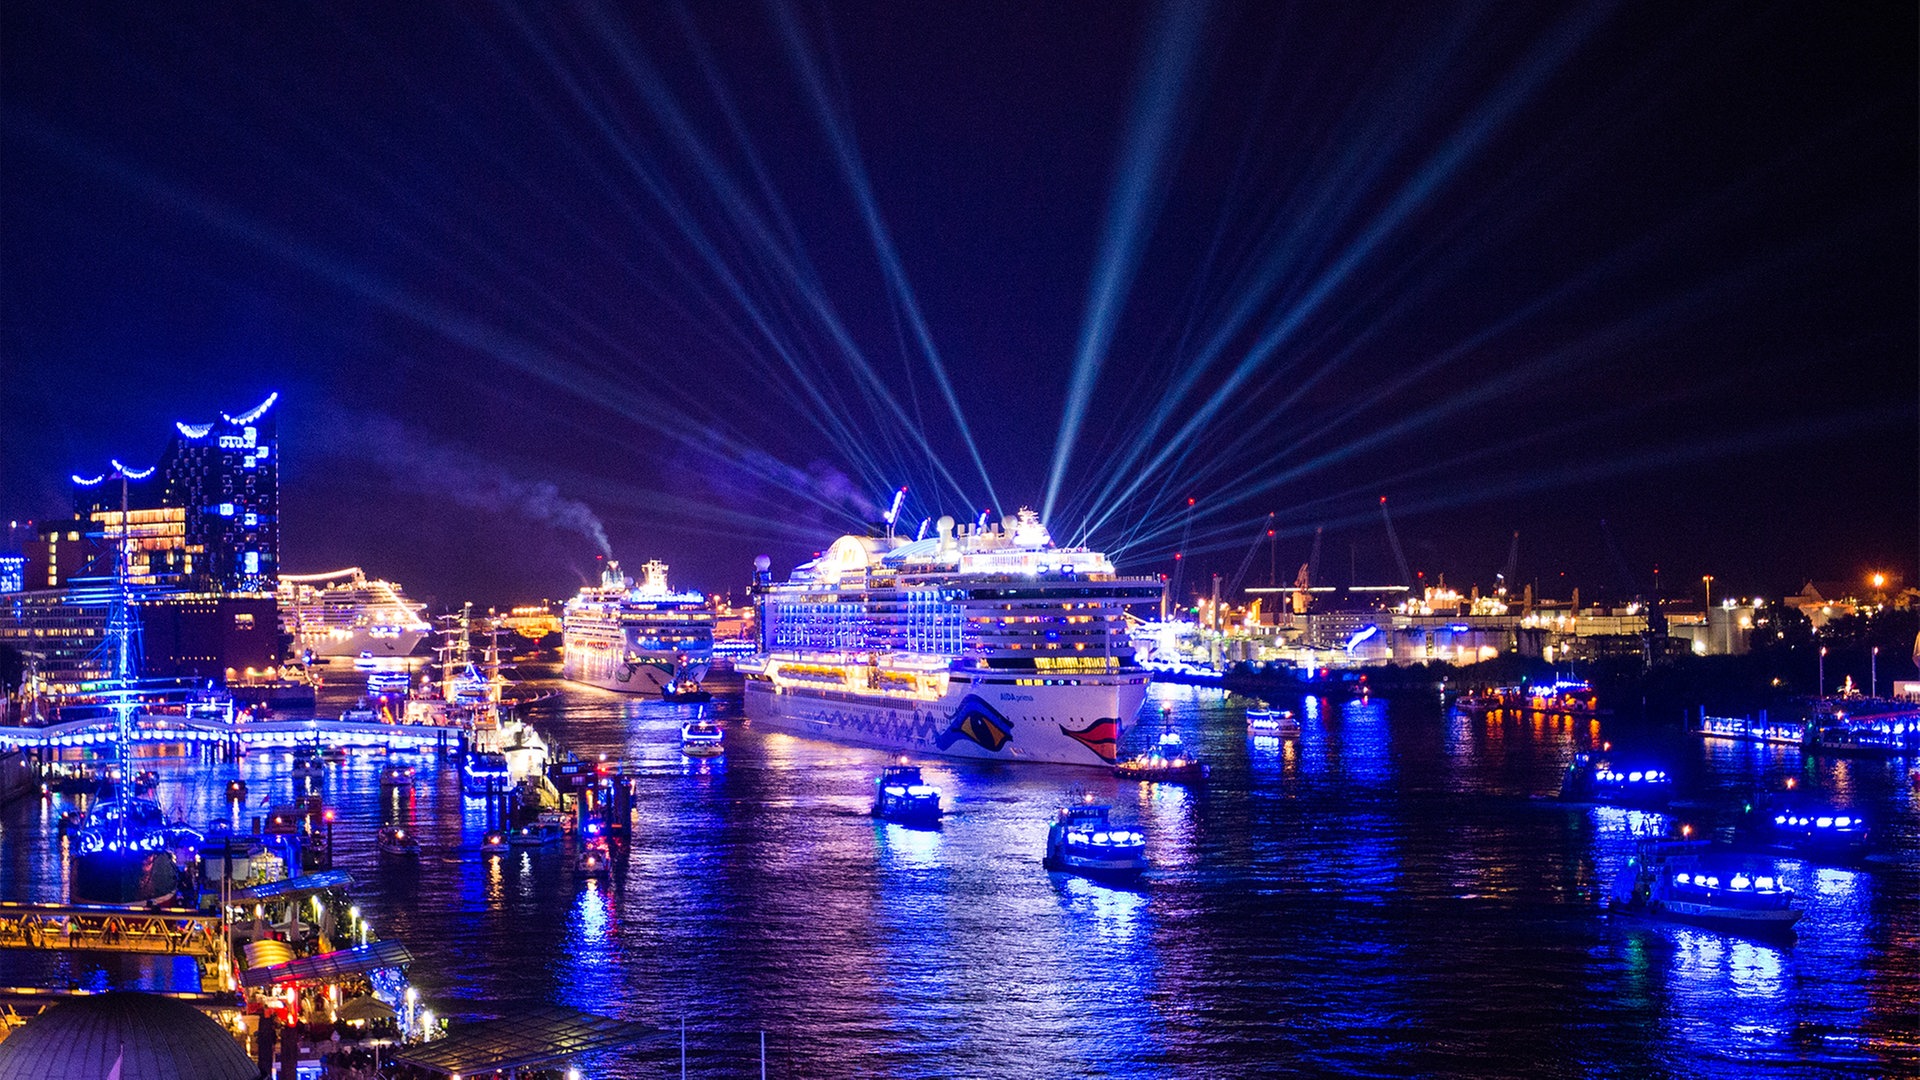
x: 979, y: 721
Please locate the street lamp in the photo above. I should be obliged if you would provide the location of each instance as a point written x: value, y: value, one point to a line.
x: 1873, y: 680
x: 1707, y: 580
x: 1820, y: 688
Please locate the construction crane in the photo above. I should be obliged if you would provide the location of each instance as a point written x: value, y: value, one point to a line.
x: 1313, y: 559
x: 1180, y: 557
x: 1399, y: 556
x: 1266, y: 530
x: 1513, y: 563
x: 1620, y: 566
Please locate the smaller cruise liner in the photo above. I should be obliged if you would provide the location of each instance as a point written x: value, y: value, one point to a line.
x: 344, y: 613
x: 638, y: 639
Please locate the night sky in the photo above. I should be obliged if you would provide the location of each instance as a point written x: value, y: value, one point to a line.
x: 721, y: 277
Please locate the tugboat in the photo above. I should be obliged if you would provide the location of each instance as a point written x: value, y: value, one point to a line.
x: 1591, y: 779
x: 1667, y: 879
x: 1167, y: 763
x: 1082, y: 841
x: 1803, y: 829
x: 396, y: 840
x: 1273, y: 723
x: 485, y: 772
x: 684, y: 692
x: 396, y: 776
x: 543, y: 831
x: 901, y: 795
x: 702, y: 738
x: 494, y: 843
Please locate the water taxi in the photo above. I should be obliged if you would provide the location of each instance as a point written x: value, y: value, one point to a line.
x: 1668, y: 880
x: 237, y: 791
x: 399, y: 776
x: 1083, y: 841
x: 307, y: 763
x: 594, y: 860
x: 397, y: 840
x: 900, y: 794
x: 702, y: 738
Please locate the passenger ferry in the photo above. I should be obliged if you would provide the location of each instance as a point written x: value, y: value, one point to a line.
x: 1273, y: 723
x: 986, y: 642
x: 345, y: 613
x: 1168, y: 762
x: 1082, y: 840
x: 396, y: 840
x: 637, y: 639
x: 902, y: 795
x: 1591, y: 779
x: 1669, y: 880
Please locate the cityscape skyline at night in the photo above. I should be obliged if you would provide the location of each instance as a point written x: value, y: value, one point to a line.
x: 726, y: 280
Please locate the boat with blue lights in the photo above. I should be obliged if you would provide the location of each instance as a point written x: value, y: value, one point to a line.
x: 977, y: 641
x: 485, y: 772
x: 1593, y: 779
x: 1167, y: 763
x: 1788, y: 824
x: 702, y: 738
x: 124, y: 853
x: 638, y: 638
x: 1760, y: 729
x: 902, y: 795
x: 1672, y: 880
x: 1083, y: 840
x: 1273, y: 723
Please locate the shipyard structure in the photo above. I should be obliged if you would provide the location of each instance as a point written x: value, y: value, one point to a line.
x: 200, y: 533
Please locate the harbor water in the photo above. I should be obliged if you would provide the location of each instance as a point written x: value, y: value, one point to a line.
x: 1390, y: 894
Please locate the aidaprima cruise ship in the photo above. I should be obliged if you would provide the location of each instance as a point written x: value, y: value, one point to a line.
x: 986, y: 642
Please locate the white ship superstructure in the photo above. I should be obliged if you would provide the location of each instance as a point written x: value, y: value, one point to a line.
x: 987, y: 643
x: 345, y: 613
x: 637, y: 638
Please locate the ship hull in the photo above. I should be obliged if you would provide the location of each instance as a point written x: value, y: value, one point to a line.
x: 123, y: 878
x: 361, y: 640
x: 600, y: 668
x: 1063, y: 724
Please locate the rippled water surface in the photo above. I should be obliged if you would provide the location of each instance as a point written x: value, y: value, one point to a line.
x: 1387, y: 896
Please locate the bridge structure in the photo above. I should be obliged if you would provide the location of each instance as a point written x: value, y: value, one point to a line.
x: 98, y: 928
x: 217, y: 734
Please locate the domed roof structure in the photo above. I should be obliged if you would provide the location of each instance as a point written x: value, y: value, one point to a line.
x: 152, y: 1037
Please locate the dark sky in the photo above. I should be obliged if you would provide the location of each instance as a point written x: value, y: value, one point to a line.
x: 707, y: 275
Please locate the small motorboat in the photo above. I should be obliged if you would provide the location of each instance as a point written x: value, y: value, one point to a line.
x: 494, y: 843
x: 1167, y: 763
x: 335, y: 755
x: 594, y: 860
x: 684, y: 692
x: 399, y: 776
x: 702, y: 738
x: 1083, y: 841
x: 307, y: 763
x: 397, y: 840
x: 543, y: 831
x: 1273, y: 723
x: 901, y: 795
x: 365, y: 662
x: 1591, y: 779
x: 1670, y: 880
x: 236, y: 791
x: 145, y: 781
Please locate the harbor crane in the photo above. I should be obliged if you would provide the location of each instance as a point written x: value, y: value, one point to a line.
x: 1513, y: 563
x: 1399, y: 556
x: 1265, y: 533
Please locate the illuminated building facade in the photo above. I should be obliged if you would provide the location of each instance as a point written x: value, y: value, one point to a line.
x: 206, y: 518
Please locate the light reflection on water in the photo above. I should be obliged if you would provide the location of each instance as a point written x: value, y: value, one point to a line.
x: 1386, y: 894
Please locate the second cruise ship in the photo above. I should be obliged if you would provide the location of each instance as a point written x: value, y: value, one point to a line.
x: 346, y: 613
x: 986, y: 643
x: 638, y: 639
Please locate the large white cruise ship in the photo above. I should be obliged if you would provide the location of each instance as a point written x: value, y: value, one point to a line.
x: 639, y: 639
x: 344, y: 613
x: 989, y: 643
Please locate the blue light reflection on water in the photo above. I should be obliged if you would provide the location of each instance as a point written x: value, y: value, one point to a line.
x: 1383, y: 895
